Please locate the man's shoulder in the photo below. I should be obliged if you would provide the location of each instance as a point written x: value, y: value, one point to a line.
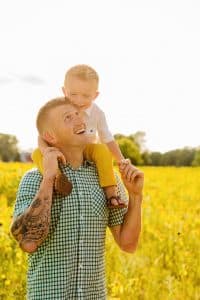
x: 31, y: 177
x: 34, y: 172
x: 27, y: 190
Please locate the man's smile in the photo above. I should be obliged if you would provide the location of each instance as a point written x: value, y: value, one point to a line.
x: 80, y: 129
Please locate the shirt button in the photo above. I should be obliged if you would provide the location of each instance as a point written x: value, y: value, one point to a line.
x: 81, y: 217
x: 79, y: 290
x: 80, y: 194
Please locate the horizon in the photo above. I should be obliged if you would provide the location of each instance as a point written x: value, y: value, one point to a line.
x: 30, y: 149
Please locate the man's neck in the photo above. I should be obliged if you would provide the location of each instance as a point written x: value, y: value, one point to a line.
x: 73, y: 155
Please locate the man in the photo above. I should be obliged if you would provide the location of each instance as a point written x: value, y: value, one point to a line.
x: 65, y: 236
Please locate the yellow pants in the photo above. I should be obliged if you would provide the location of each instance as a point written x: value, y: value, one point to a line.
x: 99, y: 154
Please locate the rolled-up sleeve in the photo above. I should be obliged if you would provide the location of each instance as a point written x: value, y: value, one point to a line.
x: 27, y: 190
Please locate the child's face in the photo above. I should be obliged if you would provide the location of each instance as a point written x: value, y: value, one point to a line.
x: 81, y: 92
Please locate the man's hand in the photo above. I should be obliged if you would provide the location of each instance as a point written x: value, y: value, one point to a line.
x: 127, y: 234
x: 51, y: 156
x: 133, y: 179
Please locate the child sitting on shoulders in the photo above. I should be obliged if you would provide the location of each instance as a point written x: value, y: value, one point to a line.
x: 81, y: 88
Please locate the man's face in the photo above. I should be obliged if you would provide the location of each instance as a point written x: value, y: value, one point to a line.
x: 67, y: 126
x: 81, y: 92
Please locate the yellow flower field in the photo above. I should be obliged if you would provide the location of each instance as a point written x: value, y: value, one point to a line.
x: 166, y: 265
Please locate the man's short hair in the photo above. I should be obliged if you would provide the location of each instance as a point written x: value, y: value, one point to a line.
x: 43, y: 113
x: 83, y: 72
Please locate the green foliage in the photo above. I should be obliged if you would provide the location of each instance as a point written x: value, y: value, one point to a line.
x: 8, y: 148
x: 146, y: 157
x: 196, y: 160
x: 131, y: 150
x: 179, y: 157
x: 156, y: 158
x: 131, y: 146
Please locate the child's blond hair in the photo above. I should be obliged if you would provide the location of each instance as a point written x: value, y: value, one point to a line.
x: 83, y: 72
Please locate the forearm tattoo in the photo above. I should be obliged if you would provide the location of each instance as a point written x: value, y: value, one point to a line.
x: 33, y: 224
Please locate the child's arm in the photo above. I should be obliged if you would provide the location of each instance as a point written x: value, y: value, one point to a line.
x: 106, y: 137
x: 115, y: 150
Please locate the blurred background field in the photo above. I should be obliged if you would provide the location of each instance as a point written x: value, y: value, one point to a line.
x: 166, y: 265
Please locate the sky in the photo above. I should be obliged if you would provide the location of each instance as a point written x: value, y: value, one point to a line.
x: 147, y: 55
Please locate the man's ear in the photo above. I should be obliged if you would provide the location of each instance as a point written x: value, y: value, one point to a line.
x: 49, y: 138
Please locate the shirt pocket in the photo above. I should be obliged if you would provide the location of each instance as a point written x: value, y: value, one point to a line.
x: 99, y: 205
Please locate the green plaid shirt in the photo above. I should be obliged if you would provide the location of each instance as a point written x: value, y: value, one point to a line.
x: 70, y: 262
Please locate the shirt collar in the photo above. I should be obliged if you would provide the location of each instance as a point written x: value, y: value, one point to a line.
x: 86, y: 163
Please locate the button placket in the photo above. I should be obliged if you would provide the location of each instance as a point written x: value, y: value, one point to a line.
x: 81, y: 234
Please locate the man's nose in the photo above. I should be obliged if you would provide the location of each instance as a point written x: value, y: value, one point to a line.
x: 78, y: 119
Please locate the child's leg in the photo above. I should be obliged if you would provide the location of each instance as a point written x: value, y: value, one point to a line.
x: 62, y: 185
x: 37, y: 159
x: 100, y: 154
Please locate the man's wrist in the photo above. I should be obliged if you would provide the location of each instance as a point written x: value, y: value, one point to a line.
x: 136, y: 197
x: 48, y: 179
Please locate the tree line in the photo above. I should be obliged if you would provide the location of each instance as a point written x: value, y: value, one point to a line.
x: 132, y: 146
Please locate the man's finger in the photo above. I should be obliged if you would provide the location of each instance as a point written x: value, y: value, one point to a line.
x: 128, y: 170
x: 129, y: 173
x: 136, y: 175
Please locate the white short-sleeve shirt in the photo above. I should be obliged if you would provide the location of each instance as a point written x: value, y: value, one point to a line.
x: 96, y: 125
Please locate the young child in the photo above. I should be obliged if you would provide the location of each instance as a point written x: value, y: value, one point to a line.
x: 81, y: 87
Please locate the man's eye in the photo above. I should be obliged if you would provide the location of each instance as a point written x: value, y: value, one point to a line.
x: 68, y: 117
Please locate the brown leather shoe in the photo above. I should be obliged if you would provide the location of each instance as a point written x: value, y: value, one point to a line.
x: 62, y: 185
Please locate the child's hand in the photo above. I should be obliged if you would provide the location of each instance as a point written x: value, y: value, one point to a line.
x: 123, y: 163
